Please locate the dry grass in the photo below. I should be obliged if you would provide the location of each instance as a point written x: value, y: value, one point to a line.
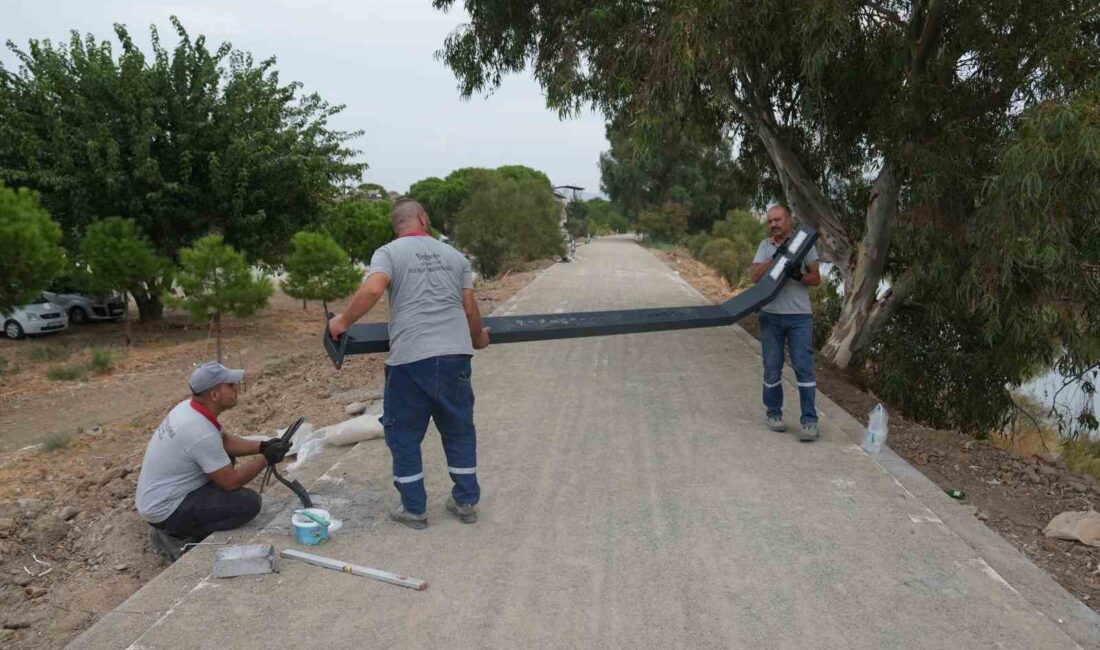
x: 75, y: 372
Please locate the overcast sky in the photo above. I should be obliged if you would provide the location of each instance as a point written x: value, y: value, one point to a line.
x: 376, y: 57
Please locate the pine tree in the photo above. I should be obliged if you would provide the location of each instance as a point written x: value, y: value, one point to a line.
x: 318, y: 269
x: 215, y: 279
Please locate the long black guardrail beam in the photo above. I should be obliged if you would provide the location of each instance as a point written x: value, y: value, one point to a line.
x: 370, y: 338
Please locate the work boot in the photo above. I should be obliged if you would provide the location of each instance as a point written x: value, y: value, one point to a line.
x: 468, y: 514
x: 776, y: 424
x: 401, y: 516
x: 808, y: 433
x: 168, y: 547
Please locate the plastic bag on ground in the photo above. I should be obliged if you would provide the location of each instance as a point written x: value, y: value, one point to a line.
x: 357, y: 429
x: 875, y: 436
x: 308, y: 450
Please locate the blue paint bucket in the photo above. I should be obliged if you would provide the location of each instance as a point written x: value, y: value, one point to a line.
x: 307, y: 531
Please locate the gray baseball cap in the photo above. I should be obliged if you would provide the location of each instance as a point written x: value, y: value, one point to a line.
x: 212, y: 373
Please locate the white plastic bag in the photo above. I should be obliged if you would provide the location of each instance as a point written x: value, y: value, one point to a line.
x: 308, y: 450
x: 357, y: 429
x: 875, y: 436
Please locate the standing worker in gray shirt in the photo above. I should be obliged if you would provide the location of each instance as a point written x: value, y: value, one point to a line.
x: 787, y: 319
x: 435, y: 326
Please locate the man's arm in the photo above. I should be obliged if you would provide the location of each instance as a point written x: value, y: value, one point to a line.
x: 757, y: 271
x: 479, y: 335
x: 365, y: 299
x: 812, y: 276
x: 237, y: 446
x: 231, y: 477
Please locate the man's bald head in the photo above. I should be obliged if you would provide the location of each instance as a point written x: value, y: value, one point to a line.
x: 407, y: 215
x: 780, y: 223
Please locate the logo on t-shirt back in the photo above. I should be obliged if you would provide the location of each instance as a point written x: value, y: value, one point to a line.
x: 429, y: 263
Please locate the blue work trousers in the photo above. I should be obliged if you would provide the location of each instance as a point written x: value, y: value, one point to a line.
x: 437, y: 388
x: 795, y: 331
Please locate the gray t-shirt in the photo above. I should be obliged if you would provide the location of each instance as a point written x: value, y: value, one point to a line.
x: 183, y: 450
x: 427, y: 318
x: 793, y: 297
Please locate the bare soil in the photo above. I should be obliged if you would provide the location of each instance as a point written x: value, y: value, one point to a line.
x: 72, y: 546
x: 1014, y: 496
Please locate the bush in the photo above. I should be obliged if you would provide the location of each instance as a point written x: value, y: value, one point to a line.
x: 102, y: 361
x: 730, y: 257
x: 508, y: 220
x: 3, y: 366
x: 740, y: 223
x: 68, y: 373
x: 695, y: 243
x: 927, y: 364
x: 57, y: 441
x: 826, y: 304
x: 666, y: 224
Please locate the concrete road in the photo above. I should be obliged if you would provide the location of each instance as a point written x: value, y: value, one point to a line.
x: 632, y: 499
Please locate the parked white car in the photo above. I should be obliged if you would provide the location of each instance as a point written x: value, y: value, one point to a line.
x: 82, y: 308
x: 39, y: 317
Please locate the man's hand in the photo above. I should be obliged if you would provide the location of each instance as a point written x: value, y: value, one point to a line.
x: 337, y: 326
x: 481, y: 341
x: 794, y: 272
x: 274, y: 450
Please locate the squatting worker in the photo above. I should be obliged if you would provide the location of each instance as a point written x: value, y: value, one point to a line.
x: 435, y: 326
x: 787, y: 320
x: 189, y: 487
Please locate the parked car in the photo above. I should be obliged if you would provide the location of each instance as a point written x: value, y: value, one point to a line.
x: 39, y: 317
x: 82, y: 308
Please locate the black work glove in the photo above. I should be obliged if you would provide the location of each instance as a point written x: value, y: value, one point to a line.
x: 794, y: 272
x: 274, y: 450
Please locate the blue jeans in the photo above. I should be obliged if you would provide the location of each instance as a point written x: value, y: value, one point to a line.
x: 796, y: 331
x: 438, y: 388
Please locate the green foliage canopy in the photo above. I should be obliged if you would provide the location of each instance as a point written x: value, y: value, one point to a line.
x: 215, y: 279
x: 666, y: 224
x: 360, y: 227
x: 880, y: 122
x: 120, y: 258
x: 318, y: 269
x: 30, y: 251
x: 507, y: 220
x: 672, y: 163
x: 444, y: 198
x: 185, y: 140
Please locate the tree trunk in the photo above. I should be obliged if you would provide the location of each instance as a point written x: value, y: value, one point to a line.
x: 861, y: 269
x: 808, y: 203
x: 218, y: 334
x: 303, y: 304
x: 150, y: 306
x: 126, y: 318
x: 861, y: 315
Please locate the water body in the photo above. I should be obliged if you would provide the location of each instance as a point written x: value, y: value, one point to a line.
x: 1070, y: 401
